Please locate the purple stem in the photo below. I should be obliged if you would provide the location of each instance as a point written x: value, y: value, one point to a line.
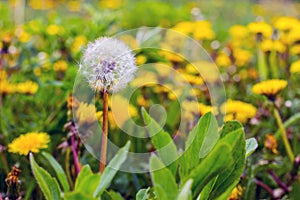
x: 265, y: 187
x: 279, y: 182
x: 74, y: 151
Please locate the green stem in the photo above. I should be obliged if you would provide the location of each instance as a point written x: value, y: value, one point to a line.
x: 261, y: 64
x: 104, y: 133
x: 4, y: 162
x: 67, y: 166
x: 295, y: 118
x: 284, y: 135
x: 273, y: 63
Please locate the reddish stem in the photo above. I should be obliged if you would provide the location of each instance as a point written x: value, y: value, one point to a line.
x: 279, y: 182
x: 74, y: 152
x: 104, y: 133
x: 265, y: 187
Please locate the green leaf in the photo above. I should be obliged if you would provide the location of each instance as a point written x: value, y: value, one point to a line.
x: 185, y: 193
x: 163, y: 143
x: 207, y: 189
x: 115, y: 195
x: 205, y: 134
x: 78, y: 196
x: 142, y: 194
x: 111, y: 170
x: 58, y: 170
x: 48, y: 184
x: 217, y: 161
x: 162, y: 179
x: 231, y: 176
x: 229, y: 127
x: 251, y: 145
x: 87, y: 181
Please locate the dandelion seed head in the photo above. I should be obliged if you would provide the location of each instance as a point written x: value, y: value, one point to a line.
x: 108, y: 65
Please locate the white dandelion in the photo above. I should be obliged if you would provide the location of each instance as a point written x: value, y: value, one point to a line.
x: 108, y: 65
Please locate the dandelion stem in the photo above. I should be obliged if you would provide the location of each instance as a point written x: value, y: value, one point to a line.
x: 104, y: 132
x: 75, y: 155
x: 265, y: 187
x: 4, y: 162
x: 67, y: 166
x: 284, y: 135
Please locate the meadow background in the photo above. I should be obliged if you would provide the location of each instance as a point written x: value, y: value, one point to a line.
x: 250, y: 41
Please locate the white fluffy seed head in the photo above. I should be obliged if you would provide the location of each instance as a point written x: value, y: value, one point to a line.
x: 108, y: 65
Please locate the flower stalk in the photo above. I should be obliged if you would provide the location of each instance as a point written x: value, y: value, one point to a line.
x: 104, y: 132
x: 284, y: 135
x: 74, y: 149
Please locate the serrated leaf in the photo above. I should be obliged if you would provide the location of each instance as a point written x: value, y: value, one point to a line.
x: 231, y: 176
x: 111, y: 170
x: 251, y: 145
x: 217, y: 161
x: 60, y: 174
x: 186, y: 193
x: 207, y: 126
x: 47, y: 183
x: 162, y: 178
x: 162, y: 142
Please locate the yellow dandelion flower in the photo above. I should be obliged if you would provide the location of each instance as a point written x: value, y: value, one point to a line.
x: 295, y: 50
x: 42, y: 5
x: 205, y: 109
x: 6, y: 87
x: 238, y: 32
x: 141, y: 101
x: 177, y: 58
x: 86, y: 114
x: 261, y: 28
x: 73, y: 6
x: 185, y: 27
x: 140, y: 59
x: 30, y: 142
x: 236, y: 193
x: 78, y: 43
x: 286, y: 23
x: 111, y: 4
x: 54, y: 29
x: 271, y: 143
x: 203, y: 30
x: 27, y: 87
x: 269, y: 45
x: 269, y: 88
x: 223, y: 60
x: 293, y: 36
x: 238, y: 110
x: 60, y: 66
x: 242, y: 57
x: 295, y: 67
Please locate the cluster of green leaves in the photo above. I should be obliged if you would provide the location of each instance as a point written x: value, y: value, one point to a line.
x: 88, y: 185
x: 209, y: 168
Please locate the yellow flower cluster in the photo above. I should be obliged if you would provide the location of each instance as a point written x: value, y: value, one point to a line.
x: 27, y: 87
x: 194, y: 109
x: 30, y: 142
x: 269, y: 88
x: 236, y: 193
x: 238, y: 110
x: 86, y: 114
x: 200, y: 30
x: 60, y: 66
x: 295, y: 67
x: 271, y: 143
